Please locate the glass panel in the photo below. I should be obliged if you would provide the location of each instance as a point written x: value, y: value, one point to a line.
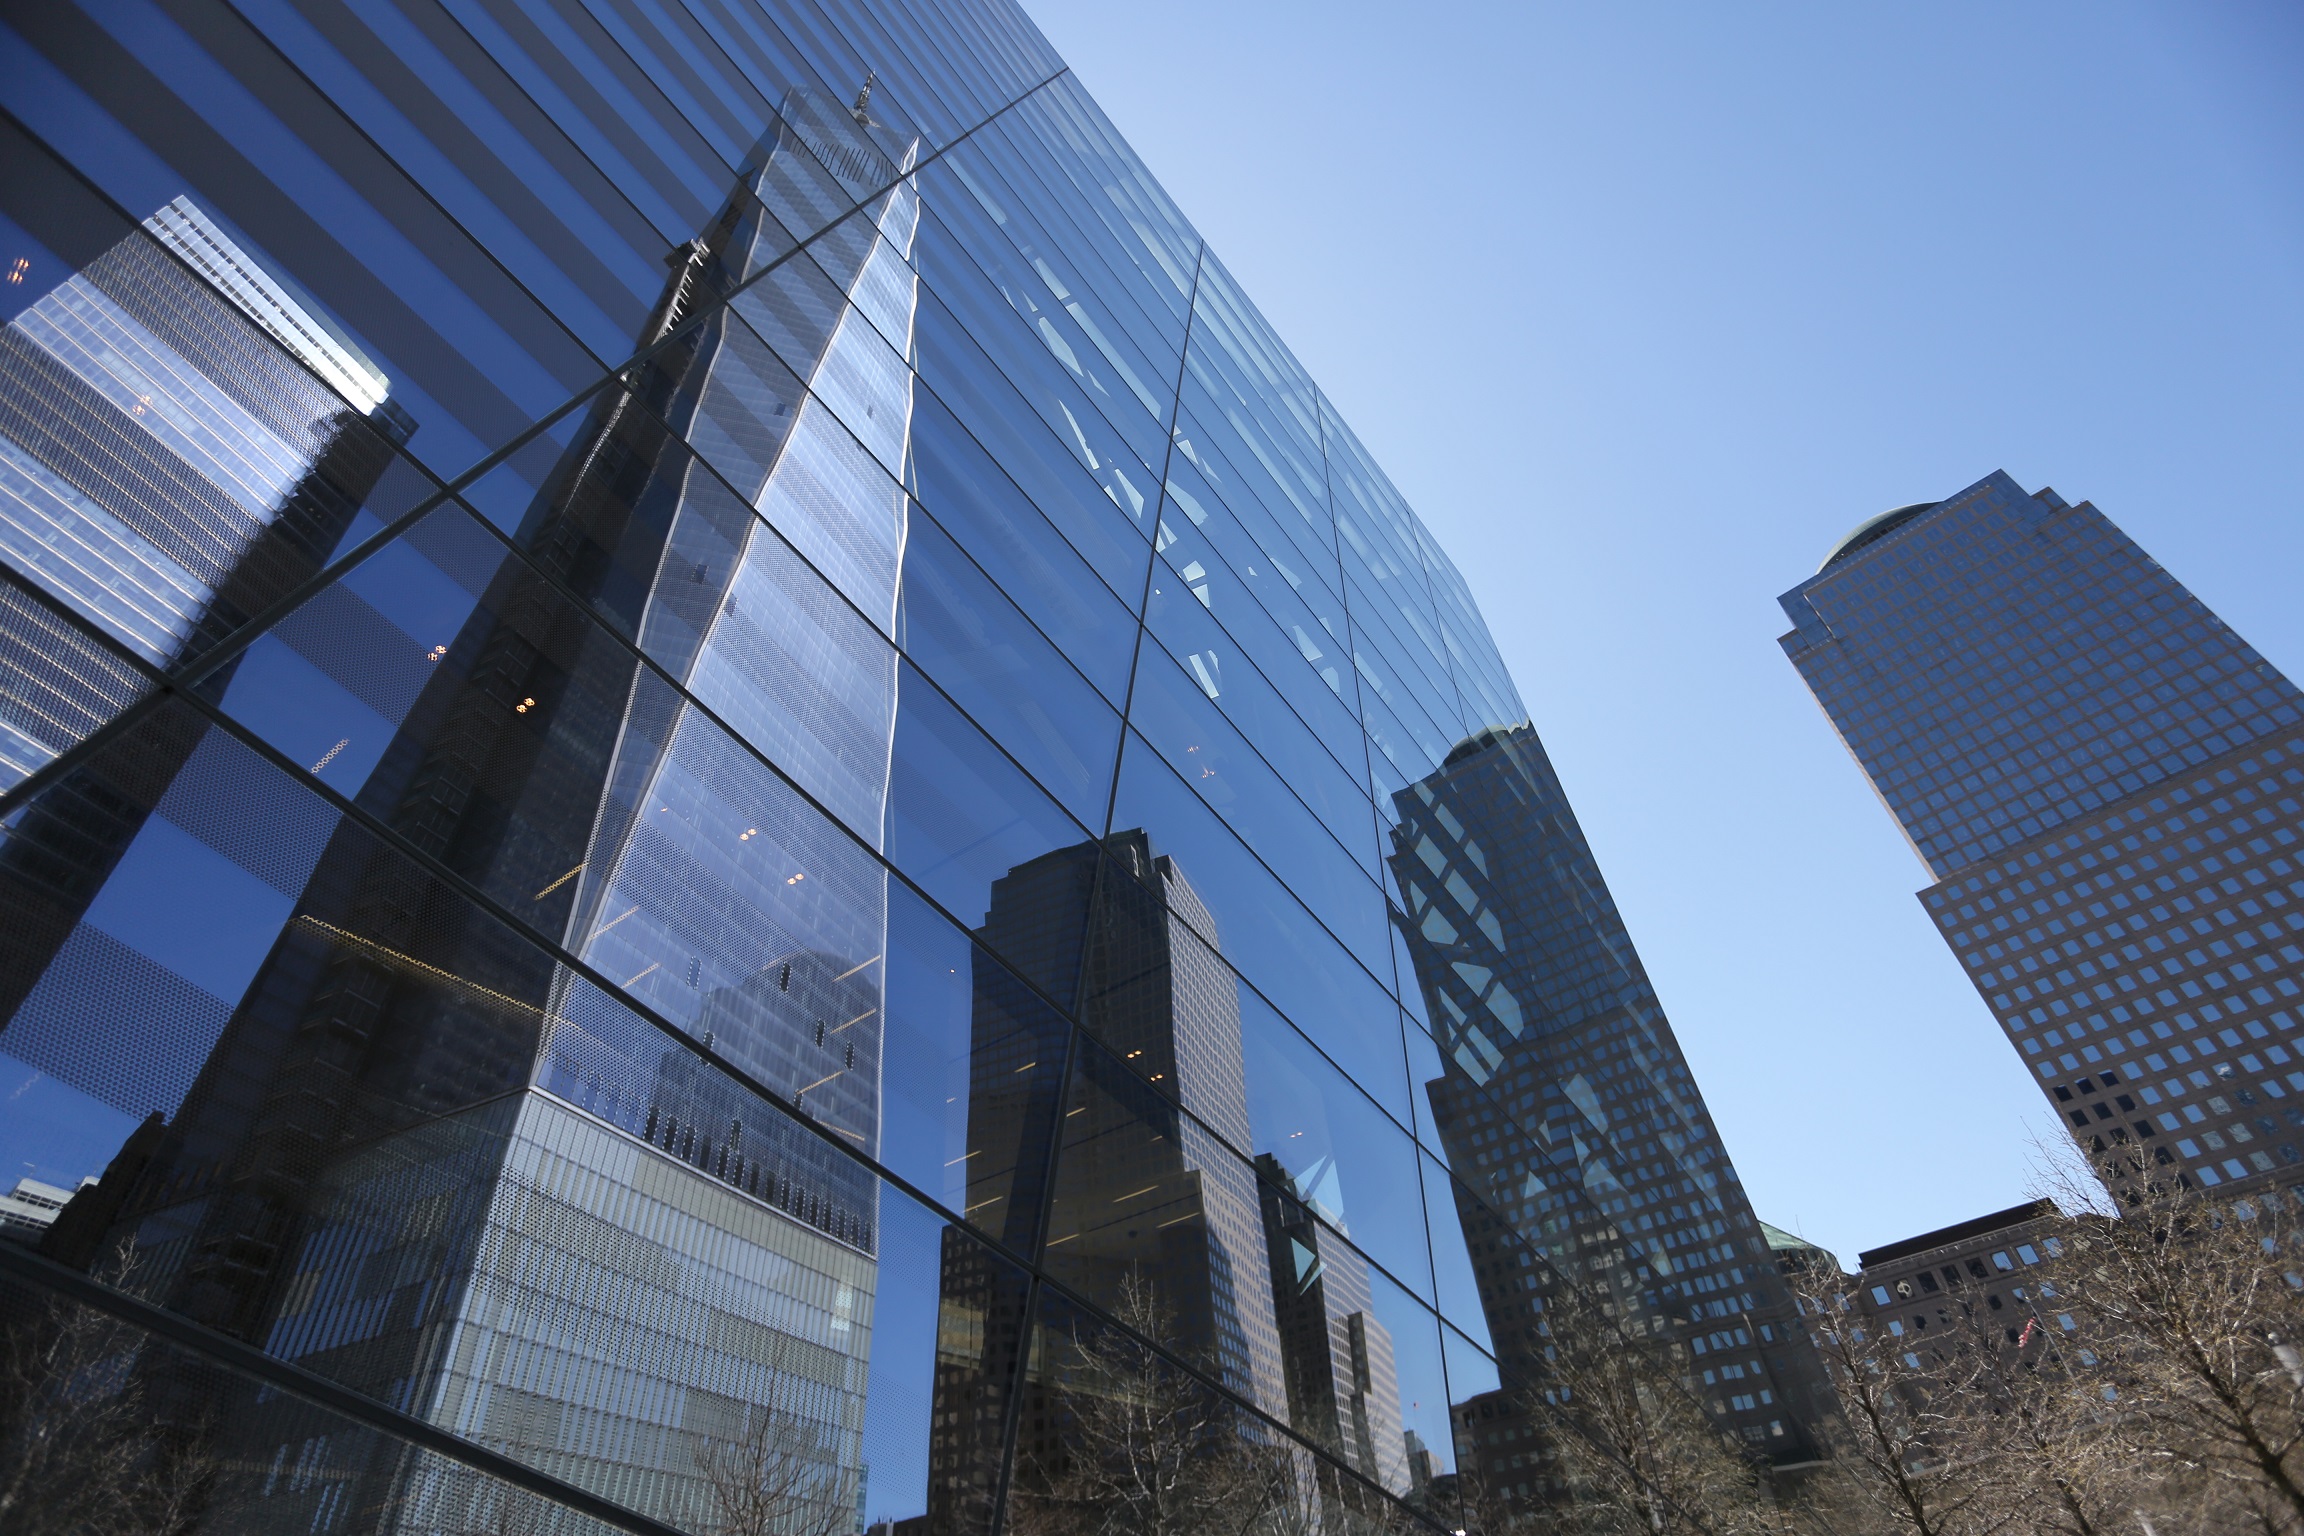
x: 1231, y: 672
x: 1256, y: 923
x: 1151, y: 1216
x: 416, y: 1124
x: 976, y: 504
x: 1468, y: 1241
x: 1172, y: 710
x: 1318, y: 1136
x: 995, y: 434
x: 110, y: 1427
x: 962, y: 816
x: 946, y: 1324
x: 974, y: 1060
x: 960, y: 630
x: 1114, y: 1429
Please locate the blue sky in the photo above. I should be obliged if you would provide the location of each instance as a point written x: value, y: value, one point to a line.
x: 1643, y: 306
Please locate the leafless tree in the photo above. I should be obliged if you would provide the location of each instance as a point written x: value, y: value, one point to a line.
x: 1630, y: 1436
x: 1147, y: 1448
x: 779, y: 1475
x: 1917, y: 1449
x: 82, y: 1451
x: 2190, y: 1305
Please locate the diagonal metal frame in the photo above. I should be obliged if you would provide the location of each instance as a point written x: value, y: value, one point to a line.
x: 20, y: 1263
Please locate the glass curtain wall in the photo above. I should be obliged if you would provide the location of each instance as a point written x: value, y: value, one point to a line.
x: 713, y: 776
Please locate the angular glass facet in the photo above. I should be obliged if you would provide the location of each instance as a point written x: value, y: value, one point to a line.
x: 716, y: 781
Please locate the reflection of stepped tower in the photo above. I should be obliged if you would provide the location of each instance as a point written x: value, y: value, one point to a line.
x: 182, y: 442
x: 1142, y: 1192
x: 1343, y: 1388
x: 419, y: 1138
x: 1566, y: 1102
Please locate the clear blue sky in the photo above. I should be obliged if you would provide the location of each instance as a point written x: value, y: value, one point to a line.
x: 1644, y: 305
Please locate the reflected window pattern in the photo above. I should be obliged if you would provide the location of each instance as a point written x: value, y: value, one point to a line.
x: 1565, y: 1100
x: 697, y: 733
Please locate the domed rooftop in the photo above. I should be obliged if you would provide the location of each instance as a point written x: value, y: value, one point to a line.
x: 1872, y: 530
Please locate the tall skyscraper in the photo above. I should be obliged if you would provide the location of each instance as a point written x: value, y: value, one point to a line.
x: 699, y: 739
x: 2104, y: 781
x: 1566, y: 1105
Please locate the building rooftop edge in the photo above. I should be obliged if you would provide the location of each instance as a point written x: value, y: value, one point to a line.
x: 1980, y: 1226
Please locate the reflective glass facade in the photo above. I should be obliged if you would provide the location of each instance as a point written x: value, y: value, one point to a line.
x: 2105, y: 780
x: 728, y: 809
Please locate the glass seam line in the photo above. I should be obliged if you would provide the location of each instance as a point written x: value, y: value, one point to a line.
x: 247, y: 1360
x: 1069, y: 1014
x: 359, y: 131
x: 191, y: 675
x: 1152, y: 563
x: 1075, y: 1035
x: 1012, y: 1415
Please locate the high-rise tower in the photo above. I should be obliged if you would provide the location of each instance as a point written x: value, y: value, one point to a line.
x: 2104, y: 780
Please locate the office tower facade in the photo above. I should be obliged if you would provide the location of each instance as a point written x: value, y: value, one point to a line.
x: 1566, y: 1106
x: 2104, y: 781
x: 703, y: 741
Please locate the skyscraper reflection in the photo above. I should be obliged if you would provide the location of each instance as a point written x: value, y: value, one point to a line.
x: 1567, y: 1106
x: 182, y: 443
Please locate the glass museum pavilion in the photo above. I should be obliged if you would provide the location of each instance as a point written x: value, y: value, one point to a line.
x: 726, y: 808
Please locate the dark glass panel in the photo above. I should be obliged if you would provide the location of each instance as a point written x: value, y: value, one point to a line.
x: 974, y: 1059
x: 993, y: 422
x: 959, y: 629
x: 1253, y: 920
x: 971, y: 498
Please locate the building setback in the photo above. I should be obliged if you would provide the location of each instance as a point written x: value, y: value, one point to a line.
x: 2105, y: 781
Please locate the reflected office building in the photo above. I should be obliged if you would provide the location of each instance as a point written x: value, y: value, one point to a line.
x: 182, y: 443
x: 1149, y: 1205
x: 717, y: 781
x: 1567, y: 1104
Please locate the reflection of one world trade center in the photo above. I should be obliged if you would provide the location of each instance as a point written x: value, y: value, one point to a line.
x: 430, y: 1162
